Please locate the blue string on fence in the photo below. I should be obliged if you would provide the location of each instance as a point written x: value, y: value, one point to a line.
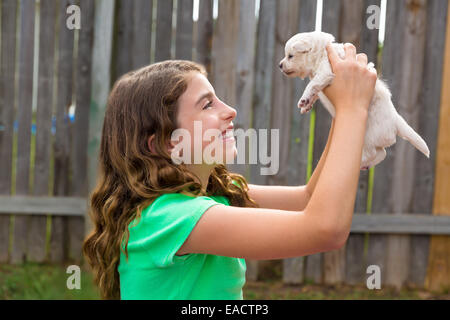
x: 71, y: 118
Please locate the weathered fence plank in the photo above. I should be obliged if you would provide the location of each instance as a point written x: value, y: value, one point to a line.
x: 369, y: 37
x: 318, y: 263
x: 382, y: 223
x: 81, y: 126
x: 37, y: 231
x: 293, y: 268
x: 355, y: 264
x: 183, y: 42
x: 387, y: 223
x: 287, y: 23
x: 382, y: 185
x: 163, y: 30
x: 344, y: 21
x: 406, y: 100
x: 429, y: 96
x: 132, y: 36
x: 24, y: 116
x: 282, y: 87
x: 61, y: 146
x: 7, y: 81
x: 264, y: 67
x: 245, y: 65
x: 244, y: 79
x: 42, y: 205
x: 142, y: 33
x: 100, y: 75
x: 204, y: 34
x: 438, y: 273
x: 225, y: 51
x: 353, y: 29
x: 262, y: 93
x: 123, y: 39
x: 225, y: 57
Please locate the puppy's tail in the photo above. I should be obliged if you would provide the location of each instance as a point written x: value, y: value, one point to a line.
x: 407, y: 133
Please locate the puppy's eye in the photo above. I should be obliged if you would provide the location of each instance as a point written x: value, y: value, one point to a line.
x: 290, y: 56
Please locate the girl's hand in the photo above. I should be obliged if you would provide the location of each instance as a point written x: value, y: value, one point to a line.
x: 353, y: 85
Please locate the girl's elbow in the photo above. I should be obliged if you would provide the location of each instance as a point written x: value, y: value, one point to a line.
x: 337, y: 239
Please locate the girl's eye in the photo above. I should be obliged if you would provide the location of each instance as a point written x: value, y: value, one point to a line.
x: 208, y: 105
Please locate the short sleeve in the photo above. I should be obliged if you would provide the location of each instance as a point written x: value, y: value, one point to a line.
x: 168, y: 223
x: 236, y: 183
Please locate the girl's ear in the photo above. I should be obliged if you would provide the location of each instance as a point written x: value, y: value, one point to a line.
x: 151, y: 143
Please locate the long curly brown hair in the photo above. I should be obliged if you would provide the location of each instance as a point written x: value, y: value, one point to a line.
x: 141, y: 103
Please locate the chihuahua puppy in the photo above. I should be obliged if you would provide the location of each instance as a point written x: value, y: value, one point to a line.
x: 306, y: 56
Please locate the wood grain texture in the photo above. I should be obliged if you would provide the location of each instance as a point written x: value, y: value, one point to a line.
x: 264, y: 67
x: 244, y: 82
x: 132, y: 36
x: 294, y: 268
x: 366, y: 41
x: 123, y: 39
x: 41, y: 205
x: 101, y: 59
x: 287, y: 23
x: 80, y: 136
x: 183, y: 42
x: 382, y: 187
x: 204, y: 34
x: 406, y: 223
x: 428, y: 124
x: 402, y: 67
x: 225, y: 42
x: 282, y: 88
x: 262, y: 94
x: 354, y: 30
x: 331, y: 21
x: 7, y: 81
x: 37, y: 232
x: 409, y: 78
x: 24, y: 116
x: 61, y: 146
x: 438, y: 273
x: 142, y: 33
x: 163, y: 30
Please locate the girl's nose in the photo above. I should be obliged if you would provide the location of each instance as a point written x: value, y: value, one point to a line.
x: 229, y: 112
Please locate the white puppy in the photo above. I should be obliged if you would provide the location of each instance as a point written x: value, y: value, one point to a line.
x: 306, y: 56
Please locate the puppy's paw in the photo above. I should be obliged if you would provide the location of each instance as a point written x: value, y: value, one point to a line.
x: 305, y: 109
x: 303, y: 102
x: 306, y: 103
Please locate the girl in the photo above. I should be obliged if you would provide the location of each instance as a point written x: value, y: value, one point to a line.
x: 164, y: 230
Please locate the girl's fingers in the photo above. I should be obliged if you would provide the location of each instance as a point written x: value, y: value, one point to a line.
x: 332, y: 55
x: 350, y: 51
x: 373, y: 70
x: 362, y: 59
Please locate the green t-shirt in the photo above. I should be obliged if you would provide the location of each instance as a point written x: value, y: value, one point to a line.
x: 154, y: 272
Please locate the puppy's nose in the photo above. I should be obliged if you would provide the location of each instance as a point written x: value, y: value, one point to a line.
x: 281, y: 65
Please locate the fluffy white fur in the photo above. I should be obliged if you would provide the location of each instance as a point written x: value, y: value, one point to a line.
x: 306, y: 56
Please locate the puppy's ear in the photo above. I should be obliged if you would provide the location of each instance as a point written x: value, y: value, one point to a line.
x: 302, y: 47
x: 329, y: 37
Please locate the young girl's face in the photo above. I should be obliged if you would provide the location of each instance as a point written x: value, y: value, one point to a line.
x: 199, y: 110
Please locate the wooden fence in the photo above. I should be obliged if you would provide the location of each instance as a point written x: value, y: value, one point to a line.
x: 45, y: 176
